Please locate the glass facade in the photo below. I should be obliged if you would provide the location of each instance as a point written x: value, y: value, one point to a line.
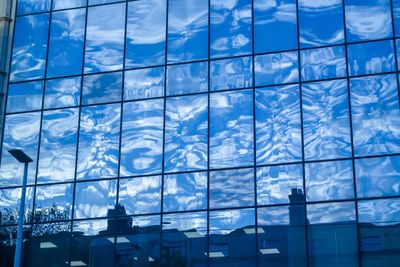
x: 204, y: 133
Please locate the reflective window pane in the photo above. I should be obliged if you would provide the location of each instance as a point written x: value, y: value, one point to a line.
x: 396, y: 16
x: 102, y: 88
x: 276, y: 68
x: 187, y: 78
x: 24, y: 96
x: 9, y: 205
x: 144, y: 83
x: 32, y: 6
x: 97, y: 2
x: 61, y: 4
x: 62, y: 93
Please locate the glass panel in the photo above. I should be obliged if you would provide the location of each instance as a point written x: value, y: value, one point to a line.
x: 140, y: 195
x: 96, y: 2
x: 99, y: 142
x: 396, y: 16
x: 94, y: 199
x: 332, y: 180
x: 377, y: 177
x: 232, y: 188
x: 62, y: 93
x: 234, y: 73
x: 61, y: 4
x: 187, y: 78
x: 276, y: 68
x: 232, y: 239
x: 230, y: 28
x: 105, y: 31
x: 275, y: 184
x: 24, y: 96
x: 145, y: 33
x: 186, y: 191
x: 375, y: 114
x: 58, y: 146
x: 187, y: 30
x: 142, y: 137
x: 278, y: 125
x: 368, y: 19
x: 9, y: 206
x: 275, y: 25
x: 231, y: 129
x: 144, y: 83
x: 323, y: 63
x: 185, y: 239
x: 21, y: 131
x: 32, y: 6
x: 29, y: 48
x: 370, y: 58
x: 326, y: 122
x: 321, y: 22
x: 102, y: 88
x: 186, y: 133
x: 66, y: 43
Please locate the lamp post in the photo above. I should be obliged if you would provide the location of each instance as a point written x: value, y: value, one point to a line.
x: 20, y: 155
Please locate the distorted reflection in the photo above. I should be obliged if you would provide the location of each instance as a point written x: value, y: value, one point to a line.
x: 102, y: 88
x: 278, y: 125
x: 58, y: 145
x: 144, y: 83
x: 145, y: 33
x: 275, y: 25
x: 186, y: 191
x: 232, y: 73
x: 396, y: 16
x: 231, y: 129
x: 142, y: 137
x: 187, y: 78
x: 24, y: 96
x: 104, y: 49
x: 276, y: 68
x: 186, y: 133
x: 96, y: 2
x: 230, y: 29
x: 187, y: 30
x: 33, y: 6
x: 99, y: 141
x: 62, y: 93
x: 326, y: 120
x: 9, y: 205
x: 375, y: 114
x: 62, y: 4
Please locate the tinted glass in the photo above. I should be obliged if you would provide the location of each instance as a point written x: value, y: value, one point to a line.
x: 9, y: 205
x: 62, y: 93
x: 32, y: 6
x: 187, y: 78
x: 24, y: 96
x: 102, y: 88
x: 144, y: 83
x: 61, y: 4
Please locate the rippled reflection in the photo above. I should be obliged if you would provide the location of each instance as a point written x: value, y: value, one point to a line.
x: 231, y: 129
x: 142, y: 137
x: 61, y: 4
x: 396, y: 15
x: 379, y: 211
x: 58, y: 145
x: 24, y: 96
x: 232, y: 73
x: 9, y: 205
x: 326, y: 122
x: 187, y: 78
x: 144, y: 83
x: 33, y: 6
x: 98, y: 142
x: 62, y: 93
x: 29, y: 47
x: 275, y: 25
x: 105, y: 33
x: 323, y: 63
x: 145, y: 33
x: 230, y: 27
x: 102, y: 88
x: 278, y: 128
x: 96, y: 2
x: 375, y: 114
x: 331, y: 212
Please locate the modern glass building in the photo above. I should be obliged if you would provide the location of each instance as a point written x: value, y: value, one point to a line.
x: 204, y: 133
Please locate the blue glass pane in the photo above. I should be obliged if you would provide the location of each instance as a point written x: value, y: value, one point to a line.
x: 187, y: 78
x: 102, y: 88
x: 144, y: 83
x: 61, y: 4
x: 375, y: 114
x: 321, y: 22
x: 187, y: 30
x: 29, y: 49
x: 377, y: 177
x: 186, y: 133
x: 58, y: 145
x: 140, y: 195
x: 105, y: 33
x: 145, y: 33
x: 24, y: 96
x: 232, y: 73
x: 323, y: 63
x: 96, y: 2
x: 278, y: 125
x: 10, y: 200
x: 275, y: 183
x: 280, y: 216
x: 275, y: 25
x: 62, y: 93
x: 379, y: 211
x: 326, y: 122
x: 99, y: 142
x: 231, y: 129
x: 232, y: 188
x: 396, y: 16
x: 186, y: 191
x: 335, y: 212
x: 368, y: 19
x: 32, y: 6
x: 276, y: 68
x: 66, y: 43
x: 142, y: 137
x: 230, y: 28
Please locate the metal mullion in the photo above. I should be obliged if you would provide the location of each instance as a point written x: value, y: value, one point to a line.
x: 208, y: 130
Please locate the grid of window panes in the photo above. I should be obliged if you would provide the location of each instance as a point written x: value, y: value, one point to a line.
x: 204, y: 133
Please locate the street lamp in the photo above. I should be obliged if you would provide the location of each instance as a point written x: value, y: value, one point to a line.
x: 20, y: 155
